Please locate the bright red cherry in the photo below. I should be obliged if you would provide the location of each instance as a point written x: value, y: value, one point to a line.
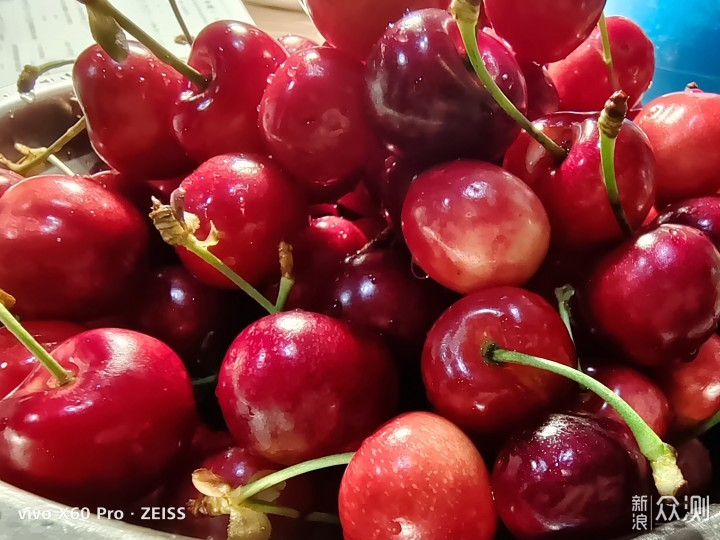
x: 410, y: 478
x: 299, y: 385
x: 546, y: 30
x: 683, y: 129
x: 657, y: 296
x: 702, y: 214
x: 7, y: 180
x: 294, y: 43
x: 472, y: 225
x: 111, y: 434
x: 238, y: 59
x: 253, y: 205
x: 543, y: 97
x: 129, y: 109
x: 70, y: 248
x: 486, y: 399
x: 583, y: 79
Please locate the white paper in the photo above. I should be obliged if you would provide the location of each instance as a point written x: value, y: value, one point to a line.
x: 36, y: 31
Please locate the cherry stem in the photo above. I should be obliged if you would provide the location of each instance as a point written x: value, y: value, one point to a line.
x: 241, y: 494
x: 181, y: 21
x: 607, y: 52
x: 563, y: 295
x: 278, y: 510
x: 702, y: 428
x: 204, y: 381
x: 662, y: 457
x: 159, y: 50
x: 466, y: 14
x: 30, y: 74
x: 287, y: 280
x: 55, y: 162
x: 30, y: 343
x: 610, y: 122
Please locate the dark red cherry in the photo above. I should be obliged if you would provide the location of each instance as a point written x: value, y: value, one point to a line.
x: 7, y: 180
x: 294, y: 43
x: 300, y: 385
x: 238, y: 59
x: 549, y: 481
x: 70, y: 248
x: 657, y: 296
x: 129, y: 110
x: 543, y: 98
x: 696, y: 466
x: 429, y: 103
x: 702, y: 214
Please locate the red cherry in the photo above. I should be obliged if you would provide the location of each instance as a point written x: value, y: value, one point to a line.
x: 411, y: 478
x: 657, y: 297
x: 486, y: 399
x: 546, y: 30
x: 683, y: 132
x: 574, y: 192
x: 70, y: 247
x: 108, y: 436
x: 265, y: 379
x: 702, y: 214
x: 543, y: 97
x: 583, y: 79
x: 294, y: 43
x: 129, y: 108
x: 471, y: 225
x: 7, y: 180
x: 238, y: 58
x: 253, y: 205
x: 696, y: 466
x: 354, y: 27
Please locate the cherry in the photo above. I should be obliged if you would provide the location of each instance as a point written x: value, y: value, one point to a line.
x: 222, y: 118
x: 550, y: 480
x: 7, y: 180
x: 294, y: 43
x: 251, y: 225
x: 16, y: 362
x: 471, y: 225
x: 428, y: 103
x: 107, y: 436
x: 694, y: 460
x: 354, y: 27
x: 314, y: 121
x: 544, y: 31
x: 70, y: 249
x: 641, y: 393
x: 543, y: 98
x: 583, y: 79
x: 682, y: 128
x: 409, y: 480
x: 129, y: 108
x: 702, y: 214
x: 390, y: 183
x: 573, y: 192
x: 265, y: 379
x: 657, y: 296
x: 479, y: 397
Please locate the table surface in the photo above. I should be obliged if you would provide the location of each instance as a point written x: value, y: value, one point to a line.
x: 278, y: 21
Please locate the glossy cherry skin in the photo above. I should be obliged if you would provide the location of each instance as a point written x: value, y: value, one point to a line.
x: 657, y: 296
x: 267, y: 375
x: 354, y: 27
x: 408, y: 480
x: 683, y: 129
x: 573, y: 192
x: 251, y: 225
x: 16, y: 362
x: 702, y: 214
x: 472, y: 225
x: 549, y: 481
x: 110, y: 435
x: 69, y: 247
x: 237, y: 58
x: 583, y: 79
x: 7, y: 180
x: 487, y: 399
x: 428, y: 102
x: 543, y: 97
x: 696, y: 466
x: 129, y: 111
x: 640, y: 392
x: 543, y: 31
x: 294, y: 43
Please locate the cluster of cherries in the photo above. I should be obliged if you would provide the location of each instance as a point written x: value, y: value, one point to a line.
x: 403, y: 208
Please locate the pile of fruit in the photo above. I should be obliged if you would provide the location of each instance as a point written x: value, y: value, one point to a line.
x: 449, y: 249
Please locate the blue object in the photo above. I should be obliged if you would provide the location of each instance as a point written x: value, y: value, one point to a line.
x: 686, y: 35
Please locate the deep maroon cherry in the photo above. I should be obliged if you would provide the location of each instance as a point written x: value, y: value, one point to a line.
x: 238, y: 58
x: 550, y: 481
x: 70, y: 248
x: 694, y: 461
x: 391, y: 182
x: 294, y: 43
x: 7, y: 180
x: 702, y: 214
x: 428, y: 102
x: 129, y: 111
x: 657, y: 296
x: 543, y: 97
x: 300, y: 385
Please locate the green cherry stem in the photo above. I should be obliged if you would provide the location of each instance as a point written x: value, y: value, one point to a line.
x: 30, y: 74
x: 662, y: 457
x: 563, y: 295
x: 181, y: 21
x: 466, y: 14
x: 701, y: 428
x: 607, y: 52
x: 277, y: 510
x: 610, y: 122
x: 29, y: 342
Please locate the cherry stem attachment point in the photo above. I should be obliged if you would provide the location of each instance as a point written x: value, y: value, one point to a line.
x: 29, y: 342
x: 287, y: 279
x: 278, y: 510
x: 181, y: 21
x: 662, y: 457
x: 607, y: 52
x: 466, y: 14
x: 30, y: 74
